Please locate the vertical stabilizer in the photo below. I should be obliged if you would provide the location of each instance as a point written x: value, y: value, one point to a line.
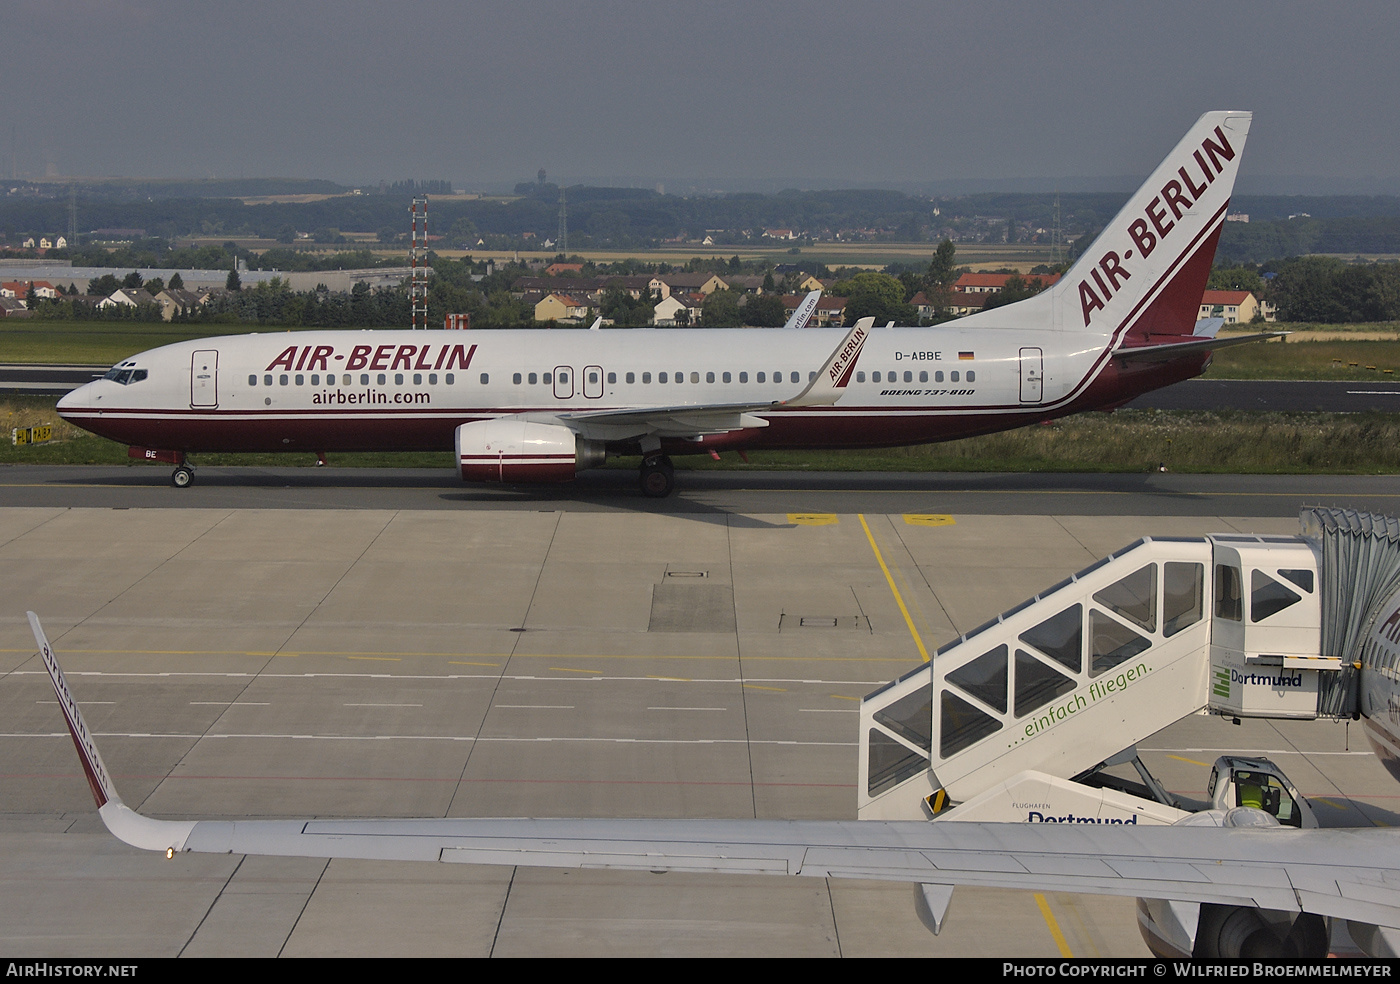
x: 1145, y: 273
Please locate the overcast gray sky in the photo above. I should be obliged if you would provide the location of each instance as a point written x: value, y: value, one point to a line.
x: 705, y: 92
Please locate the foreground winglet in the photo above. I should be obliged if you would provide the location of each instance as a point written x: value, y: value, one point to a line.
x: 830, y: 383
x: 123, y: 822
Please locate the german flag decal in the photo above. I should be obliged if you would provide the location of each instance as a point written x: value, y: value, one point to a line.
x: 964, y: 356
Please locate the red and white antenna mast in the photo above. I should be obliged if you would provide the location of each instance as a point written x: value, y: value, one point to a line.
x: 418, y: 262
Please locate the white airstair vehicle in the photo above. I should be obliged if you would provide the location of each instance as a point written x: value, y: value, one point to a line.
x: 1023, y: 718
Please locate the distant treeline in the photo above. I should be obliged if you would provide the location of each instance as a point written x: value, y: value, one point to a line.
x: 636, y: 217
x: 1258, y: 242
x: 1324, y: 289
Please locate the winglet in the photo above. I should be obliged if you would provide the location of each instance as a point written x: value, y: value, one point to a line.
x: 830, y: 383
x: 802, y: 314
x: 124, y: 823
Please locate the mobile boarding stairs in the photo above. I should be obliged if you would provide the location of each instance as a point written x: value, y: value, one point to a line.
x: 1018, y: 719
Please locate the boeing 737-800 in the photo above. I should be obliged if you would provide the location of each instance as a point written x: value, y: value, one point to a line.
x: 528, y: 406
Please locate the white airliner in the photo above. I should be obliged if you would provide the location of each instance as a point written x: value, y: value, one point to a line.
x: 528, y: 406
x: 1248, y: 862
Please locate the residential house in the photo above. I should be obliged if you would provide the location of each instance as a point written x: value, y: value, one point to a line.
x: 128, y: 296
x: 668, y: 310
x: 694, y: 283
x: 746, y: 284
x: 993, y: 283
x: 648, y: 284
x: 176, y: 301
x: 1235, y: 306
x: 20, y: 288
x: 562, y: 308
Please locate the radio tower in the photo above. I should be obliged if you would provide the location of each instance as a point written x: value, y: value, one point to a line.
x: 418, y: 262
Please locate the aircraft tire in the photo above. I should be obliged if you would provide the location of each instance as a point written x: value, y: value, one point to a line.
x: 182, y: 477
x: 657, y: 478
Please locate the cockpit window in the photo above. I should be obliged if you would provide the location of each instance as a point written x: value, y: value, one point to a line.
x: 125, y: 374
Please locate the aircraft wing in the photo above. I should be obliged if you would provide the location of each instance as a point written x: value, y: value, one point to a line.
x: 1350, y: 874
x: 690, y: 420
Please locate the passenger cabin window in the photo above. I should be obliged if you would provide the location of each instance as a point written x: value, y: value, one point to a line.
x: 1229, y: 603
x: 1268, y: 597
x: 1183, y: 587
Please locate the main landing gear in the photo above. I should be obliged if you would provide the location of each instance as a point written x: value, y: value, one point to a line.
x: 182, y: 477
x: 658, y: 477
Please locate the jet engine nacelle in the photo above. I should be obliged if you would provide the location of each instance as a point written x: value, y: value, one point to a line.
x: 1180, y: 930
x: 508, y: 449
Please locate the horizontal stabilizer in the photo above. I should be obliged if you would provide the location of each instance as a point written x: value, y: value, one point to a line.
x: 1172, y: 350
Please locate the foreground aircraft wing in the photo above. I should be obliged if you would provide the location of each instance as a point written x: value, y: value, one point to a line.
x: 687, y: 420
x: 1351, y: 874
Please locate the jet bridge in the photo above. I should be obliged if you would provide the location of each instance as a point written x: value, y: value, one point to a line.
x: 1033, y: 704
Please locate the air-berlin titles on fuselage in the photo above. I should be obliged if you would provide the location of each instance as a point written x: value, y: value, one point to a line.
x: 314, y: 358
x: 1178, y: 196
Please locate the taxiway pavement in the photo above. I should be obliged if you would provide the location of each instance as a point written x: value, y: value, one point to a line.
x: 274, y: 652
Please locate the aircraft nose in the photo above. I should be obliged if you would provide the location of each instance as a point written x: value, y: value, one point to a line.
x: 73, y: 399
